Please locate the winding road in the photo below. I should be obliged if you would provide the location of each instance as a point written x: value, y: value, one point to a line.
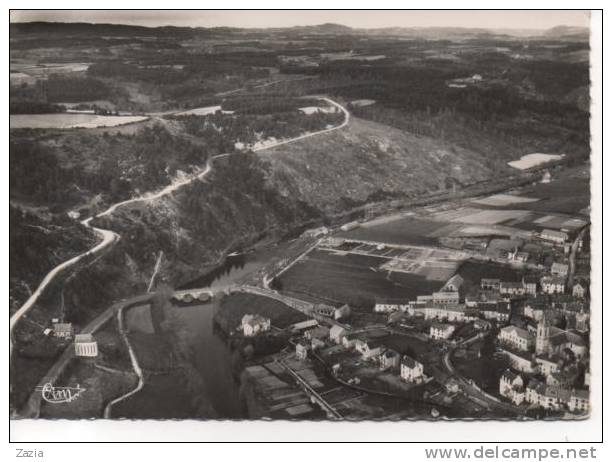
x: 109, y: 237
x: 470, y: 389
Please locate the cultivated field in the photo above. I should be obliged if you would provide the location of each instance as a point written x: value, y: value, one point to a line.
x: 351, y: 278
x: 403, y: 231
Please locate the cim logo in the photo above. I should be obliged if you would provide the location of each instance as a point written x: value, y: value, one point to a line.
x: 57, y: 395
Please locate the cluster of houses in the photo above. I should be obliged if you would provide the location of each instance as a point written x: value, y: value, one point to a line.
x: 316, y: 336
x: 85, y: 345
x: 447, y: 305
x: 513, y: 386
x: 545, y: 341
x: 551, y: 356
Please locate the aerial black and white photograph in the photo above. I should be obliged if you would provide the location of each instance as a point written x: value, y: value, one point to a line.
x: 300, y: 215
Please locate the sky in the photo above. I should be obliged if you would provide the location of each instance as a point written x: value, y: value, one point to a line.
x: 514, y: 19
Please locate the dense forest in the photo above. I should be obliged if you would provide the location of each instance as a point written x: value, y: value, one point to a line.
x: 66, y: 171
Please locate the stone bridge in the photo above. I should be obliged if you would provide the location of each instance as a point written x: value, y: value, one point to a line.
x: 191, y: 295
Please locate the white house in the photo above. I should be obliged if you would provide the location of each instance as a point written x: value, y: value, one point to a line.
x: 253, y: 324
x: 552, y: 285
x: 386, y: 308
x: 579, y: 401
x: 547, y: 366
x: 531, y: 285
x: 499, y: 312
x: 511, y: 386
x: 85, y: 345
x: 511, y: 288
x: 559, y: 269
x: 489, y: 284
x: 411, y: 370
x: 578, y: 290
x: 445, y: 298
x: 534, y: 390
x: 452, y: 313
x: 516, y: 337
x: 439, y: 331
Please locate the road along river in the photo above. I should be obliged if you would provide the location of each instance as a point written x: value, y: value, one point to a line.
x: 109, y: 237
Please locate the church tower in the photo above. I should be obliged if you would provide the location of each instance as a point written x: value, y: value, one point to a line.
x: 542, y: 335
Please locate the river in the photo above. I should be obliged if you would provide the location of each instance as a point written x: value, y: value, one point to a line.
x: 217, y: 394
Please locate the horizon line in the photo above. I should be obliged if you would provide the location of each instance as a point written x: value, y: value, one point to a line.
x: 68, y: 21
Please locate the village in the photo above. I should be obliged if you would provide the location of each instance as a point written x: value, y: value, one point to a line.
x: 515, y: 345
x: 471, y: 326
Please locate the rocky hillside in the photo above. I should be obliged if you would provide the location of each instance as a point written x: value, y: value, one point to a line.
x: 368, y: 160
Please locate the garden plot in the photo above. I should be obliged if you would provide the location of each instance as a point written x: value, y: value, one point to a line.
x: 431, y: 264
x: 502, y: 200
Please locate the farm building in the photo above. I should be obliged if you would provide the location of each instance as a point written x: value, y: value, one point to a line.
x: 558, y: 237
x: 85, y: 345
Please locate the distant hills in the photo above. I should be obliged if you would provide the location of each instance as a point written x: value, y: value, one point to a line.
x: 26, y: 28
